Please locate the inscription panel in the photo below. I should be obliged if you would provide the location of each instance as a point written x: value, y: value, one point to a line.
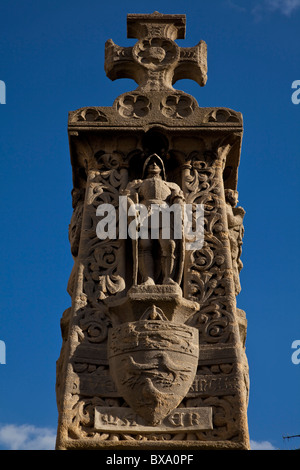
x: 117, y: 419
x: 102, y: 385
x: 209, y: 384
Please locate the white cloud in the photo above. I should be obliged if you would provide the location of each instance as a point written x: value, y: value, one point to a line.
x: 261, y: 445
x: 26, y: 437
x: 261, y: 8
x: 287, y: 7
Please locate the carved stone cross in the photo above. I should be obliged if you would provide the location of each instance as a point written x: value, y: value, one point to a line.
x: 153, y: 344
x: 156, y: 62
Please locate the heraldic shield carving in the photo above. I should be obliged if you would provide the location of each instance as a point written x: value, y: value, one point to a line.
x: 153, y: 364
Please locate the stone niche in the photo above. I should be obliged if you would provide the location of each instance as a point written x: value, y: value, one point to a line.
x: 153, y: 344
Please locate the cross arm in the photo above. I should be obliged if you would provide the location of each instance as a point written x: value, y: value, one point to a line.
x: 192, y: 64
x: 118, y: 62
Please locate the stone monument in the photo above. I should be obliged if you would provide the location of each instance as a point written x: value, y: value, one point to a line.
x: 153, y: 353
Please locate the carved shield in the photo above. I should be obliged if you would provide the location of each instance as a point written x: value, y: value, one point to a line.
x: 153, y: 364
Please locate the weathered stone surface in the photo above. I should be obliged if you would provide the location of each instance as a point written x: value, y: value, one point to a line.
x: 182, y: 419
x: 156, y: 62
x: 153, y: 364
x: 153, y: 349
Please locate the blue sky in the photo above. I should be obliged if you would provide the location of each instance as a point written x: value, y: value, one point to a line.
x: 52, y: 62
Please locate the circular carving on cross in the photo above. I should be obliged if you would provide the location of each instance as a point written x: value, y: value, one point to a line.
x: 156, y: 53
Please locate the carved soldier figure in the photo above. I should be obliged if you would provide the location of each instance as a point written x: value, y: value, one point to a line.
x: 155, y: 193
x: 235, y: 216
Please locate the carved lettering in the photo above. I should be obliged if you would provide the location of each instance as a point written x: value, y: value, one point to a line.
x: 125, y: 420
x: 213, y: 385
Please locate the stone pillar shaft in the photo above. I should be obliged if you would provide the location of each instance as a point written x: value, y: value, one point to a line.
x: 160, y: 364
